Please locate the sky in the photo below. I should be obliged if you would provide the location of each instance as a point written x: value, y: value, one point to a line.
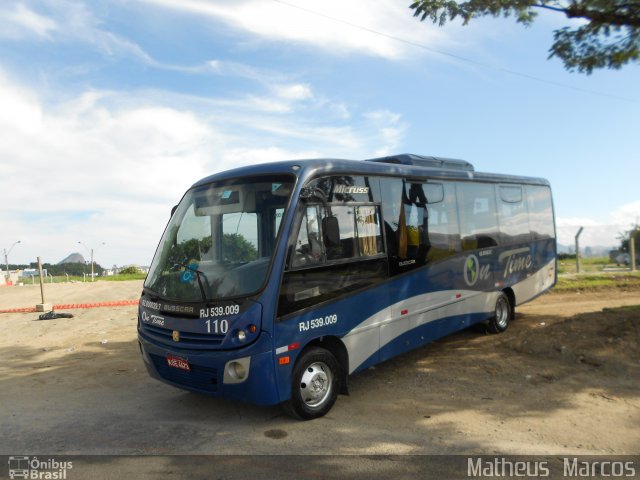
x: 109, y: 111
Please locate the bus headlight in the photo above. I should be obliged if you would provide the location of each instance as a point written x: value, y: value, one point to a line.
x: 241, y: 335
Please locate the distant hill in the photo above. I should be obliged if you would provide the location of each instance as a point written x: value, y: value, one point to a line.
x: 73, y: 258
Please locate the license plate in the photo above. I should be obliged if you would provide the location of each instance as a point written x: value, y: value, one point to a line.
x: 177, y: 362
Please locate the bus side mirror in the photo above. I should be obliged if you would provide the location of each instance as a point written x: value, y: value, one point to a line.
x: 331, y: 231
x: 173, y: 210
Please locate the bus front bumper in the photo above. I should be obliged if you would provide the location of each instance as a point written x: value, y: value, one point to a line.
x: 246, y: 374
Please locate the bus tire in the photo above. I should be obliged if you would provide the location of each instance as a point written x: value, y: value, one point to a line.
x: 501, y: 316
x: 315, y: 384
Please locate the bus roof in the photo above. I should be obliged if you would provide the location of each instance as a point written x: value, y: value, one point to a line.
x: 428, y: 162
x: 406, y: 165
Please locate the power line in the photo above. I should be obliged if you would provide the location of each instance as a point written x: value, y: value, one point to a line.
x: 458, y: 57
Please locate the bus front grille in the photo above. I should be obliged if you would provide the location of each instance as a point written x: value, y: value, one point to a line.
x: 187, y: 339
x: 199, y: 378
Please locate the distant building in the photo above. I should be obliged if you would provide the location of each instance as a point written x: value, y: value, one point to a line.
x: 32, y: 272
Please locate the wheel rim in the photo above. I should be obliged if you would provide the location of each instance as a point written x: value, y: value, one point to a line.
x: 502, y: 312
x: 316, y: 384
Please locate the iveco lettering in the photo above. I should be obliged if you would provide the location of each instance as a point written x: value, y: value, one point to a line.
x: 273, y: 283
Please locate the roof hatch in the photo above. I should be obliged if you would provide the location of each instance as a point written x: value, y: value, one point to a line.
x: 428, y: 162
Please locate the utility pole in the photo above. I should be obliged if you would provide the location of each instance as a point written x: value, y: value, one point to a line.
x: 42, y: 307
x: 632, y: 248
x: 578, y: 249
x: 6, y: 257
x: 91, y: 252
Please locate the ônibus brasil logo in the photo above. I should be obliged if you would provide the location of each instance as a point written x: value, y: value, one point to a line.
x: 34, y: 468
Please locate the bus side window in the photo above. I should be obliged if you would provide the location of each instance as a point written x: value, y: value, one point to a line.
x: 391, y: 192
x: 512, y: 214
x: 352, y: 261
x: 413, y: 243
x: 478, y: 220
x: 368, y: 231
x: 443, y: 222
x: 540, y: 212
x: 360, y: 234
x: 420, y: 225
x: 346, y: 247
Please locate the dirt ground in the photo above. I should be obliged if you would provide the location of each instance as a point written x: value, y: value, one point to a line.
x: 563, y: 379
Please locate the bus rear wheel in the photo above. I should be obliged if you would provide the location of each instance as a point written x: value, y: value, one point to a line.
x: 315, y: 384
x: 502, y: 315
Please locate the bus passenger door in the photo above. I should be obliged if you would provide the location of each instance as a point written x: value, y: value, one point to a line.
x: 336, y: 267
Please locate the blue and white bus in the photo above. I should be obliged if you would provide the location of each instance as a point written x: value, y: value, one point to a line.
x: 273, y: 283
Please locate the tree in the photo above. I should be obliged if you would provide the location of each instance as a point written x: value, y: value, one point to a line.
x: 75, y: 269
x: 624, y: 240
x: 130, y: 270
x: 609, y: 37
x: 236, y: 248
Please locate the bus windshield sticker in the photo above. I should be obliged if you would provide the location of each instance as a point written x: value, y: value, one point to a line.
x: 190, y: 271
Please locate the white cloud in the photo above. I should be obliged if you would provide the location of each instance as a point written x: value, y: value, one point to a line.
x: 241, y: 70
x: 251, y: 156
x: 66, y: 21
x: 593, y: 234
x: 106, y: 166
x: 627, y: 214
x: 382, y: 115
x: 332, y: 25
x: 389, y: 128
x: 341, y: 110
x: 20, y: 109
x: 20, y: 22
x: 599, y: 233
x: 294, y: 91
x: 90, y: 171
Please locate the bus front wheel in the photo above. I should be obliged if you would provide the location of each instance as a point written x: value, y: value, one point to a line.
x: 315, y: 384
x: 502, y: 315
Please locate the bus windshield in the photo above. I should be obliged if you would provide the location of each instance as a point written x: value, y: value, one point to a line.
x: 220, y: 240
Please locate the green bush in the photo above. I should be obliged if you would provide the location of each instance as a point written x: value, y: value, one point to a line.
x: 132, y: 270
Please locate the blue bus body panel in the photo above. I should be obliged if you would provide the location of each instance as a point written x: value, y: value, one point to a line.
x: 413, y: 309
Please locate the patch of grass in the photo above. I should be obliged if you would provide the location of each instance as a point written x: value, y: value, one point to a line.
x: 598, y: 281
x: 591, y: 264
x: 120, y: 278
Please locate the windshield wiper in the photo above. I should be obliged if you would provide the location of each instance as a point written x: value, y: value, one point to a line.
x: 198, y: 273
